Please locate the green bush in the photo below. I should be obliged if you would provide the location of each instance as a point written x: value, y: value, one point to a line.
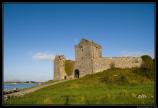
x: 123, y: 80
x: 148, y: 66
x: 112, y: 65
x: 105, y: 79
x: 147, y: 62
x: 110, y: 78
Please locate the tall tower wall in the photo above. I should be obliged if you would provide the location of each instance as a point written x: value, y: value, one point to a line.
x: 86, y: 54
x: 59, y: 67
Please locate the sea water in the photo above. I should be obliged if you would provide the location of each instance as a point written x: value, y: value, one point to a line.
x: 10, y: 86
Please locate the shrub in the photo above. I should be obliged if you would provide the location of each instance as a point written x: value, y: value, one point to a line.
x: 148, y: 66
x: 110, y: 78
x: 112, y: 65
x: 147, y: 62
x: 123, y: 80
x: 105, y: 79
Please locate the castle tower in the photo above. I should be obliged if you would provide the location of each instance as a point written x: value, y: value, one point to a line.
x: 59, y: 67
x: 86, y: 55
x: 89, y: 60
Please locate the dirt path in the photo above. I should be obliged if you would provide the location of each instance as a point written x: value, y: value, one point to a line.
x: 25, y: 91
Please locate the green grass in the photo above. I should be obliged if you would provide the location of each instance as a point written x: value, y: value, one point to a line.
x: 49, y: 82
x: 96, y: 89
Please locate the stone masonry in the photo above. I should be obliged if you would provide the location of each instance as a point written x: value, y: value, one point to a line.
x: 89, y: 60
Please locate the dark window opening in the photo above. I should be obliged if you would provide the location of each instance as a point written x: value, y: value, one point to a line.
x: 81, y: 48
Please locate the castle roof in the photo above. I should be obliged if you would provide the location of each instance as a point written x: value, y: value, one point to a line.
x: 82, y: 41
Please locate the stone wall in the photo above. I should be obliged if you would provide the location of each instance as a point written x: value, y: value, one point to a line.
x: 59, y: 67
x: 89, y: 60
x: 105, y: 63
x: 85, y: 52
x: 123, y: 62
x: 69, y: 67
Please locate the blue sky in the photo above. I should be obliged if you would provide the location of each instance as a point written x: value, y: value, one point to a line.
x: 35, y: 33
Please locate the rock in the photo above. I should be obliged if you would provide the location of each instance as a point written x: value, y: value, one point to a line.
x: 142, y: 96
x: 5, y: 97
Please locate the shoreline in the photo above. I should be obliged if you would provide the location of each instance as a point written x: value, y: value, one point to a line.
x: 32, y: 89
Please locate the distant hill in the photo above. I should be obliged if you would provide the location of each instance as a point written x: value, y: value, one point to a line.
x: 13, y: 81
x: 18, y: 81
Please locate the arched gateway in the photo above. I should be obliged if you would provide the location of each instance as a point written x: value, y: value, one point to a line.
x: 76, y: 73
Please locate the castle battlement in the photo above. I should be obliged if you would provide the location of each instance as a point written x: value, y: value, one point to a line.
x: 85, y: 41
x: 59, y: 57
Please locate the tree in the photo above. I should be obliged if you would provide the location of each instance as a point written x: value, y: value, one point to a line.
x: 112, y: 65
x: 147, y: 62
x: 148, y: 66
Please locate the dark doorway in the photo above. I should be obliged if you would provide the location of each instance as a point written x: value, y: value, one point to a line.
x: 76, y: 73
x: 65, y: 77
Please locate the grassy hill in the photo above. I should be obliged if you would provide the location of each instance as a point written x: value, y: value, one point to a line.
x: 113, y: 86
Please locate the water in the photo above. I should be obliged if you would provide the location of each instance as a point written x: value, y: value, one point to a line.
x: 11, y: 86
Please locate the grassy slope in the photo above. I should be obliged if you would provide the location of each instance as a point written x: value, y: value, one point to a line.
x: 96, y: 89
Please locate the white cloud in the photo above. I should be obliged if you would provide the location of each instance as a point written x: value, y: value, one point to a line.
x: 43, y: 56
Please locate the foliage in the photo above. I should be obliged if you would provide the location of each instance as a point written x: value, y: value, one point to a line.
x: 148, y: 66
x: 112, y: 65
x: 124, y: 76
x: 69, y: 66
x: 147, y: 62
x: 123, y: 79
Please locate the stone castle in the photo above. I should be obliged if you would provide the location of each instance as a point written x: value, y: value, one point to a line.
x: 89, y: 60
